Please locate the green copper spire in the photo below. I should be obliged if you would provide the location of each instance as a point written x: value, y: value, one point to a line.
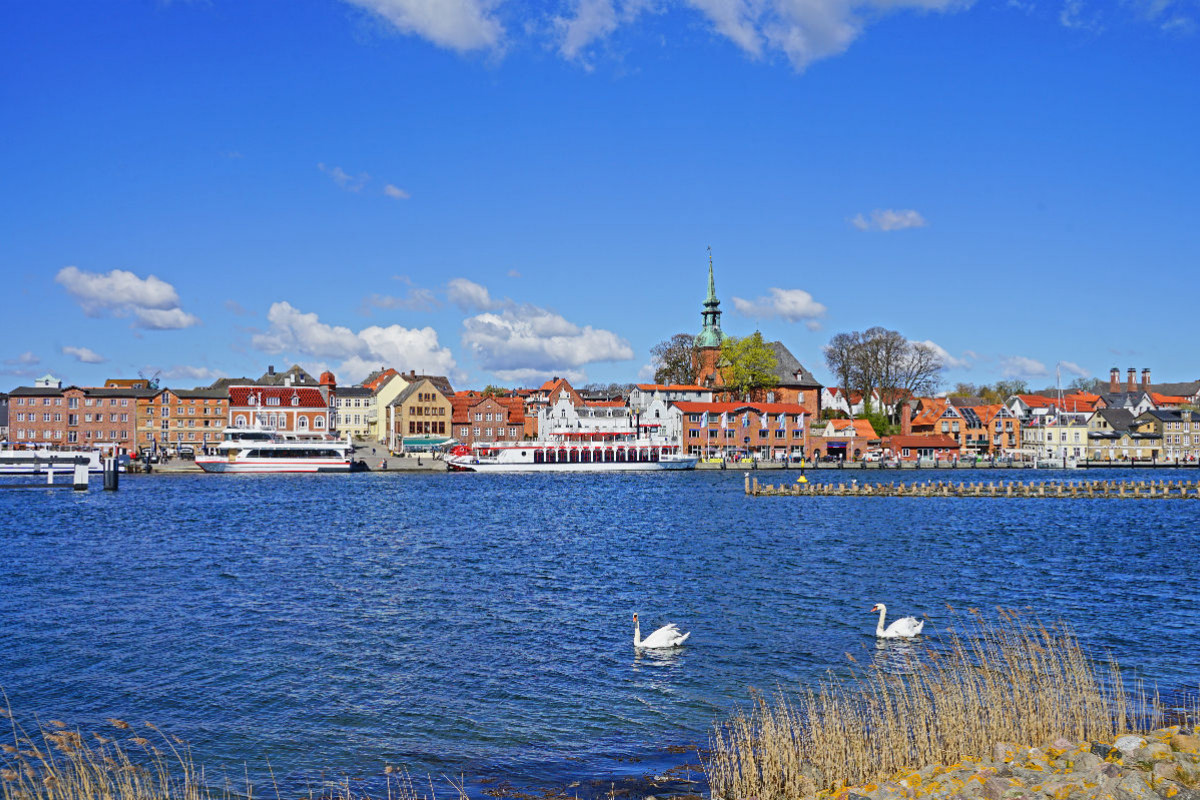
x: 711, y: 335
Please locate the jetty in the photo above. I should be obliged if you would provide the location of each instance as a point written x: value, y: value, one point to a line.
x: 1125, y: 489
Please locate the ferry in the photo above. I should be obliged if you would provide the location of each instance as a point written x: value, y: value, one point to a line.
x: 580, y: 452
x: 34, y: 460
x: 260, y: 448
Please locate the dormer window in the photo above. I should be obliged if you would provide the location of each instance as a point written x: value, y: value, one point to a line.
x: 295, y: 399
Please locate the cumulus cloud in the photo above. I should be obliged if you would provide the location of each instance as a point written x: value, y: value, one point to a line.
x: 191, y: 373
x: 949, y: 361
x: 803, y: 31
x: 469, y: 295
x: 415, y: 300
x: 889, y: 219
x: 351, y: 183
x: 793, y: 305
x: 1022, y: 367
x: 151, y: 301
x: 1074, y: 369
x: 303, y: 334
x: 396, y: 192
x: 461, y: 25
x: 26, y: 359
x: 524, y: 342
x: 84, y: 355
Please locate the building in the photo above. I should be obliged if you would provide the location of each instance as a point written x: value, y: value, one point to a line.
x: 171, y: 418
x: 420, y: 418
x: 999, y: 429
x: 566, y: 419
x: 917, y: 447
x: 302, y: 410
x: 707, y: 351
x: 1177, y: 432
x: 354, y: 411
x: 74, y: 416
x: 643, y: 394
x: 390, y: 384
x: 1056, y: 436
x: 730, y: 430
x: 843, y: 439
x: 3, y: 416
x: 487, y: 419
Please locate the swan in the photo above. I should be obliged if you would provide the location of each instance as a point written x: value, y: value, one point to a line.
x: 666, y: 636
x: 903, y: 628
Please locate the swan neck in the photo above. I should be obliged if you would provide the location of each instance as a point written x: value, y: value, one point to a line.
x: 637, y: 634
x: 879, y: 629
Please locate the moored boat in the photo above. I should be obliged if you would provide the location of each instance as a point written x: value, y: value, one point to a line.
x: 261, y: 449
x: 30, y: 461
x: 585, y: 452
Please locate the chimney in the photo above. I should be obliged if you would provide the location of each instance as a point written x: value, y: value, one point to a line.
x: 271, y: 369
x: 1145, y: 379
x: 1129, y: 382
x: 905, y: 419
x: 1114, y: 380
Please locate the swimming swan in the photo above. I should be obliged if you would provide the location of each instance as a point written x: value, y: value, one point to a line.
x: 903, y: 628
x: 666, y: 636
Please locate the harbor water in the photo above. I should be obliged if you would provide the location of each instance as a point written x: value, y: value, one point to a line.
x: 480, y: 625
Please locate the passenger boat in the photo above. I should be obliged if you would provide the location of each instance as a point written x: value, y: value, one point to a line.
x: 263, y: 449
x: 30, y: 461
x: 579, y: 452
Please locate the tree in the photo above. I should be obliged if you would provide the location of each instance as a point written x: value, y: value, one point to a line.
x: 964, y: 390
x: 492, y: 390
x: 748, y: 364
x: 1092, y: 385
x: 674, y: 360
x: 1006, y: 389
x: 883, y: 359
x: 840, y: 358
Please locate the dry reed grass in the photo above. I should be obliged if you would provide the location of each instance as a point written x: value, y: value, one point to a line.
x: 1013, y: 680
x: 60, y: 764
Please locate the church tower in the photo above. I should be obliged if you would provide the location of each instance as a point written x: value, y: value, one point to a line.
x: 708, y: 342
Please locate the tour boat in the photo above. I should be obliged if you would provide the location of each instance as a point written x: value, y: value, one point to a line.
x: 263, y: 449
x: 578, y: 452
x: 30, y: 461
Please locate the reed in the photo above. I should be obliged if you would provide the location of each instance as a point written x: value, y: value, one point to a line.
x: 1013, y: 680
x: 125, y: 763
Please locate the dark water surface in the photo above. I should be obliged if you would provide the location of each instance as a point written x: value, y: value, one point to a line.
x: 480, y: 625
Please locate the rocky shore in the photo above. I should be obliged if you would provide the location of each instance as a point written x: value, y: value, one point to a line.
x: 1162, y: 764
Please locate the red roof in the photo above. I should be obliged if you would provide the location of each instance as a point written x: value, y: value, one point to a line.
x: 862, y: 427
x: 604, y: 403
x: 671, y: 387
x: 917, y: 440
x: 308, y: 397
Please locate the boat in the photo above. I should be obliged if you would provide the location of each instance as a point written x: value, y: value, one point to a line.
x: 259, y: 449
x: 598, y: 451
x: 35, y: 460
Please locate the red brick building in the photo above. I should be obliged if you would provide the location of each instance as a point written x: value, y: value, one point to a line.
x: 763, y: 430
x: 297, y: 409
x: 479, y: 419
x: 75, y: 416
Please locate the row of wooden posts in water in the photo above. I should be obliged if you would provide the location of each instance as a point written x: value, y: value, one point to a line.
x: 1133, y: 490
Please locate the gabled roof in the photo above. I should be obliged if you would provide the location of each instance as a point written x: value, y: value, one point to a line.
x: 1119, y: 419
x: 862, y: 428
x: 378, y: 378
x: 917, y: 440
x: 354, y: 391
x: 693, y: 407
x: 788, y: 369
x: 1184, y: 389
x: 1168, y: 399
x: 604, y: 403
x: 309, y: 397
x: 298, y: 375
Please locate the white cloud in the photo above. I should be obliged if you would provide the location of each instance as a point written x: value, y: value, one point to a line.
x: 26, y: 359
x: 889, y: 219
x: 415, y: 300
x: 84, y: 355
x: 187, y: 372
x: 513, y: 273
x: 521, y: 342
x: 300, y: 334
x: 351, y: 183
x: 396, y: 192
x: 1074, y: 369
x: 792, y: 305
x: 949, y: 361
x: 1022, y: 367
x: 469, y: 296
x: 152, y: 302
x: 803, y: 31
x: 460, y: 25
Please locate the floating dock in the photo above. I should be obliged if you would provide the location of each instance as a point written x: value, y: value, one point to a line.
x: 1126, y: 490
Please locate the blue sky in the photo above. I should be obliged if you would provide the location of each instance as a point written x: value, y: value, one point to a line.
x: 502, y: 190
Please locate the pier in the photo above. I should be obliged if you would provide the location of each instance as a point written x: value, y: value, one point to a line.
x: 1125, y: 490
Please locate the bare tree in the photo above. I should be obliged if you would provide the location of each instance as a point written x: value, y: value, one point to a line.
x: 885, y: 360
x: 840, y: 357
x: 674, y: 359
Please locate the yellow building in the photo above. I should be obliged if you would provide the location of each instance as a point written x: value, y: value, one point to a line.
x: 419, y: 418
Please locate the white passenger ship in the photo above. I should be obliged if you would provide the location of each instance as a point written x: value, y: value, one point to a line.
x: 36, y: 460
x: 582, y: 452
x: 263, y: 449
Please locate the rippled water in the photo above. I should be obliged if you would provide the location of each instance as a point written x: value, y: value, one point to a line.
x: 480, y: 624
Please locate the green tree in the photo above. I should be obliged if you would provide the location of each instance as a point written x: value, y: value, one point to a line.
x: 674, y: 360
x: 494, y: 391
x: 747, y: 364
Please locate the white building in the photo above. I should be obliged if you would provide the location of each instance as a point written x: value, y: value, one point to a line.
x: 564, y: 418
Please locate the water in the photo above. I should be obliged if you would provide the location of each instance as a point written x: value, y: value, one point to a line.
x: 481, y: 625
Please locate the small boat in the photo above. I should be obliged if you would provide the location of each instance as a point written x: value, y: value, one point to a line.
x: 262, y: 449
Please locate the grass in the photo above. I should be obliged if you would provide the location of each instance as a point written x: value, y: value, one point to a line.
x: 123, y: 763
x: 1013, y: 680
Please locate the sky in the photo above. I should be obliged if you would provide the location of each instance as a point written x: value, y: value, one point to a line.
x: 502, y: 191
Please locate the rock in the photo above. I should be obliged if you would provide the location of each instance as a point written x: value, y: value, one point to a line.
x: 1134, y: 787
x: 1155, y: 751
x: 1110, y: 770
x: 1085, y: 762
x: 1165, y: 770
x: 1002, y: 751
x: 1186, y: 743
x: 1063, y: 744
x: 1102, y: 750
x: 994, y: 788
x: 1130, y: 743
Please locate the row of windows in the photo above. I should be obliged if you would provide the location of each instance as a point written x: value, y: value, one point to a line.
x: 351, y: 402
x: 427, y: 411
x: 732, y: 433
x: 72, y: 436
x: 513, y: 433
x: 280, y: 422
x: 487, y: 417
x: 426, y: 426
x: 74, y: 401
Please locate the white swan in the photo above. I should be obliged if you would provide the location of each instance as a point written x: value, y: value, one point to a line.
x: 666, y: 636
x: 903, y: 628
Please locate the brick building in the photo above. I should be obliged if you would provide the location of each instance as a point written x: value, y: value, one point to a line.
x: 75, y: 416
x: 170, y: 418
x: 731, y: 430
x: 302, y: 410
x: 479, y: 419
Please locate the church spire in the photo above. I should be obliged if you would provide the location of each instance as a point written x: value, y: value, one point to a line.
x: 710, y: 335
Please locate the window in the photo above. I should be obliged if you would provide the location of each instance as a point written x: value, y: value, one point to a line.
x: 318, y: 423
x: 463, y: 432
x: 479, y: 416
